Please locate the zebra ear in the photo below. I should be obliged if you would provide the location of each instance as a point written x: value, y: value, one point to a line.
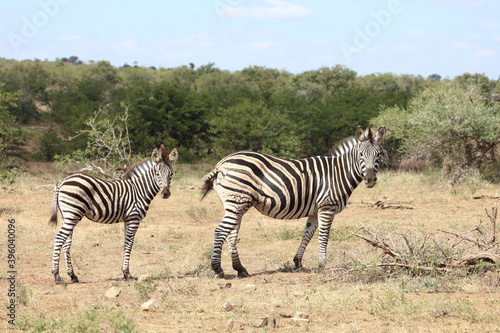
x: 173, y: 155
x: 368, y: 133
x: 164, y: 153
x: 380, y: 135
x: 156, y: 156
x: 360, y: 133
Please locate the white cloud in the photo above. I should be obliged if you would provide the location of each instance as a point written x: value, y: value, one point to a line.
x: 484, y: 53
x: 127, y: 44
x: 464, y: 5
x: 69, y: 37
x: 267, y: 10
x: 260, y: 46
x: 463, y: 45
x: 201, y: 39
x: 176, y: 54
x: 490, y: 25
x: 416, y: 33
x: 406, y: 47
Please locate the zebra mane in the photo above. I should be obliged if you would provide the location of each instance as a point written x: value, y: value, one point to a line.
x: 343, y: 146
x: 137, y: 169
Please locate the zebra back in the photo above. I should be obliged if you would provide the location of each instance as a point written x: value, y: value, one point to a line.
x: 138, y: 169
x: 343, y: 146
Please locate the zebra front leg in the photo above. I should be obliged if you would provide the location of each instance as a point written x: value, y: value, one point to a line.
x: 325, y: 223
x: 69, y: 267
x: 311, y: 225
x: 231, y: 242
x: 130, y: 230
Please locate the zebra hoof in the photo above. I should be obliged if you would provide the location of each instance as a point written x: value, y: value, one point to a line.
x: 57, y: 279
x: 74, y: 279
x: 297, y: 269
x: 242, y: 273
x: 220, y: 274
x: 129, y: 277
x: 298, y: 264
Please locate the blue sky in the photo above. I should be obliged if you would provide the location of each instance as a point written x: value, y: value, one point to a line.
x: 447, y: 37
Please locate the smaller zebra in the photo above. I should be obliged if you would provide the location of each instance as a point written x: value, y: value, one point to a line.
x: 123, y: 200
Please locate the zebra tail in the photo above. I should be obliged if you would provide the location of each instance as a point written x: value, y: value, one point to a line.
x: 208, y: 185
x: 53, y: 217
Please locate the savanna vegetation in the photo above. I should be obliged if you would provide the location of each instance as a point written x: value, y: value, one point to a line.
x: 412, y: 254
x: 54, y: 109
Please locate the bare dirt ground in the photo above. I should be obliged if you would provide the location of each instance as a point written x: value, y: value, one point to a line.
x: 173, y: 247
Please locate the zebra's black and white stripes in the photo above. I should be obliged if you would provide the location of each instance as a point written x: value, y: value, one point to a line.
x: 316, y: 187
x: 125, y: 200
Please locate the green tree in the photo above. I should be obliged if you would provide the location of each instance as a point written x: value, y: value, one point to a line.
x: 32, y: 79
x: 318, y: 84
x: 108, y: 150
x: 168, y: 112
x: 73, y: 103
x: 487, y: 86
x: 12, y: 137
x: 253, y: 126
x: 449, y: 123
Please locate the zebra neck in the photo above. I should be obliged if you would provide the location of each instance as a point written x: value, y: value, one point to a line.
x: 147, y: 185
x: 349, y: 164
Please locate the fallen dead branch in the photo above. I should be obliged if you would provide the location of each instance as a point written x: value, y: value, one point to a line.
x: 392, y: 204
x: 449, y: 251
x: 479, y: 197
x: 385, y: 204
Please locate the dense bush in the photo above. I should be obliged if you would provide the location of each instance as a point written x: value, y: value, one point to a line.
x: 451, y: 123
x: 207, y: 112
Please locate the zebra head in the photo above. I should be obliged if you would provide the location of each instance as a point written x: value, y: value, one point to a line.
x: 162, y: 164
x: 369, y: 151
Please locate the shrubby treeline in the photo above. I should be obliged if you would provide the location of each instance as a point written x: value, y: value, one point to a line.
x: 206, y: 111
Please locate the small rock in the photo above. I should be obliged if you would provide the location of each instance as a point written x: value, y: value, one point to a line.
x: 301, y: 315
x: 250, y: 287
x: 148, y: 305
x: 217, y: 286
x: 228, y: 306
x: 301, y: 295
x: 234, y: 325
x: 143, y: 278
x: 300, y: 322
x: 264, y: 322
x: 286, y: 313
x: 112, y: 292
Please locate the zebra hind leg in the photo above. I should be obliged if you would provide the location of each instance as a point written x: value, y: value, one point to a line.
x: 66, y: 249
x: 231, y: 242
x: 311, y: 226
x: 229, y: 225
x: 60, y: 241
x: 130, y: 230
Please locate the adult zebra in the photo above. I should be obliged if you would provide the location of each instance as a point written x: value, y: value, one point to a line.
x: 315, y: 187
x: 124, y: 200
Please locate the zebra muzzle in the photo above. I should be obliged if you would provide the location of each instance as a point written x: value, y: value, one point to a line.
x: 370, y: 178
x: 165, y: 192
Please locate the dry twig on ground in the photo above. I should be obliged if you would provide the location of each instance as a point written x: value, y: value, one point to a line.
x: 476, y: 245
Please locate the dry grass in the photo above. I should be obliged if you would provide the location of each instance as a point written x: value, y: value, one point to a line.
x: 173, y: 247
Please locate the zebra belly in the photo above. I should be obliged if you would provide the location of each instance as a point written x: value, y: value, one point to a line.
x: 265, y: 208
